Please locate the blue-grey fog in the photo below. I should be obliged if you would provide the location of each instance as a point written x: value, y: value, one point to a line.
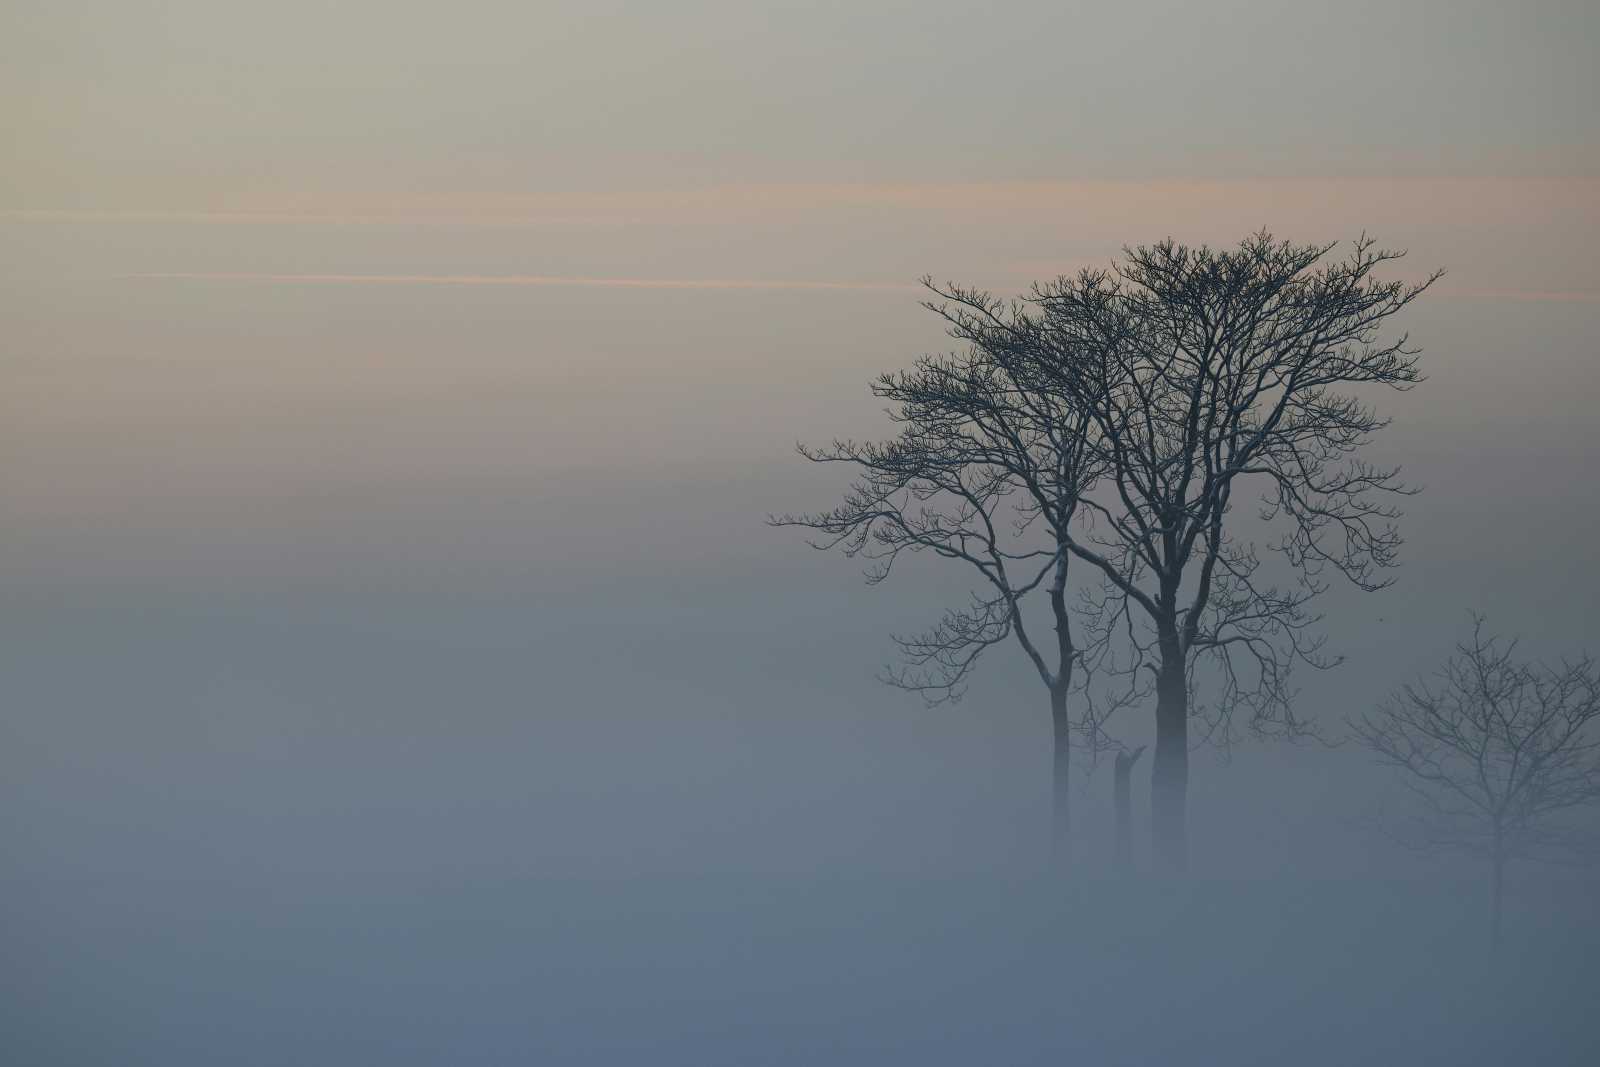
x: 399, y: 665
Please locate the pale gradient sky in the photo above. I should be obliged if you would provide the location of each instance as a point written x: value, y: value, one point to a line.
x: 185, y: 104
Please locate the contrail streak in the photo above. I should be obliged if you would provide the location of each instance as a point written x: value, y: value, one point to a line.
x: 518, y: 280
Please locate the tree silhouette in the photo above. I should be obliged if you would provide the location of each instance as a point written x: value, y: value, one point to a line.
x: 989, y: 469
x: 1194, y: 374
x: 1113, y: 416
x: 1496, y: 749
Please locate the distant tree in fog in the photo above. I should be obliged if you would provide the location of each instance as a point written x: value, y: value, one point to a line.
x: 988, y: 471
x: 1198, y: 375
x: 1497, y: 749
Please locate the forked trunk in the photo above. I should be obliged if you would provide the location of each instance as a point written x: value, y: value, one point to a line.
x: 1169, y: 771
x: 1060, y: 820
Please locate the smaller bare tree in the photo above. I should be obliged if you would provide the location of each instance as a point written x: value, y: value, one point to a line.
x: 1498, y: 749
x: 988, y: 471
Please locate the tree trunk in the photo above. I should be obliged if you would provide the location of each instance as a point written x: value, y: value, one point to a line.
x: 1060, y: 821
x: 1169, y: 772
x: 1123, y: 797
x: 1499, y: 861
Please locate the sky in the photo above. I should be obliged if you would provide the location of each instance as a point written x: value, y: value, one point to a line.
x: 391, y: 399
x: 192, y: 104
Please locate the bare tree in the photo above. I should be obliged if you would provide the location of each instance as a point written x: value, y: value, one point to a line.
x: 988, y: 470
x: 1496, y: 749
x: 1198, y: 372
